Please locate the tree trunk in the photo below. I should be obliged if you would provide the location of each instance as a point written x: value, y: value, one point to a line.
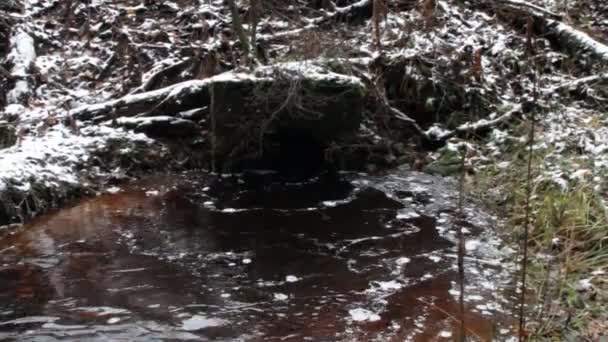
x: 237, y: 27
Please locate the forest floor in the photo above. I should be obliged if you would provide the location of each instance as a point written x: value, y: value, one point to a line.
x: 451, y: 66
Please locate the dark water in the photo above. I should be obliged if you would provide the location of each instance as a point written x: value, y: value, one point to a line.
x: 250, y: 257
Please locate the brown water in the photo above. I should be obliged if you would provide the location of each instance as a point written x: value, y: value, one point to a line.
x: 253, y: 257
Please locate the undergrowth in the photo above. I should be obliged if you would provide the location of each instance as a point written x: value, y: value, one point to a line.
x: 568, y: 260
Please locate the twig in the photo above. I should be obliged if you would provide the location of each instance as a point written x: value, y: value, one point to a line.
x: 475, y: 127
x: 461, y: 241
x: 527, y: 7
x: 313, y: 24
x: 163, y: 72
x: 524, y: 262
x: 575, y: 84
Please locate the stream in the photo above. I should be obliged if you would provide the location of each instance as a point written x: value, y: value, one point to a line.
x: 256, y: 256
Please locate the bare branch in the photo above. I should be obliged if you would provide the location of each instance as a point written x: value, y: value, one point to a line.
x: 476, y: 127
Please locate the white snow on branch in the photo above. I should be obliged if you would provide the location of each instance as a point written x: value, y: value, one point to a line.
x: 435, y: 133
x: 22, y: 56
x: 305, y: 70
x: 582, y: 39
x: 569, y: 85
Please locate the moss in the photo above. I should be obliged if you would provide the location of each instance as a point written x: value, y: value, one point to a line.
x: 449, y: 163
x: 8, y: 135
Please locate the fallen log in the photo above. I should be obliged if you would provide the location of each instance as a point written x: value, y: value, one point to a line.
x: 578, y: 83
x: 566, y: 36
x: 576, y: 41
x: 21, y: 57
x: 163, y: 72
x: 360, y: 9
x: 245, y: 108
x: 472, y: 127
x: 528, y: 8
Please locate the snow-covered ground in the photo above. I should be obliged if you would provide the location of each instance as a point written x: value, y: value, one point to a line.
x: 108, y: 49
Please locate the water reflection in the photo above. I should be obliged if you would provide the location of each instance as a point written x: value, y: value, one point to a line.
x: 246, y: 257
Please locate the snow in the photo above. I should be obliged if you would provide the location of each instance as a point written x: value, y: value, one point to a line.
x: 52, y: 160
x: 584, y: 285
x: 198, y: 322
x: 391, y: 285
x: 23, y: 53
x: 280, y: 296
x: 586, y: 42
x: 471, y: 245
x: 22, y: 56
x: 402, y: 261
x: 30, y: 320
x: 291, y: 279
x: 363, y: 315
x: 406, y: 214
x: 113, y: 320
x: 445, y: 334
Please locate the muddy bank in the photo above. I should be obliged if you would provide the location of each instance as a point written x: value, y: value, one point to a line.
x: 255, y: 257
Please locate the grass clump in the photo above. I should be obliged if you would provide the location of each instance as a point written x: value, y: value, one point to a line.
x: 568, y: 242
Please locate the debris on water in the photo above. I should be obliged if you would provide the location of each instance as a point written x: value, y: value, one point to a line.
x: 153, y: 260
x: 330, y: 203
x: 391, y: 285
x: 113, y: 320
x: 407, y: 214
x: 435, y: 258
x: 199, y: 322
x: 291, y: 279
x: 445, y: 334
x: 363, y: 315
x: 280, y: 296
x: 113, y: 190
x: 402, y: 261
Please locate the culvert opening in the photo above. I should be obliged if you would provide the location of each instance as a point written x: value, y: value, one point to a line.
x: 291, y: 152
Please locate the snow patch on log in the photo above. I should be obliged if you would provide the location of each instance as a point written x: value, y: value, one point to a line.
x: 340, y: 11
x: 22, y: 58
x: 575, y: 84
x: 438, y: 134
x: 134, y: 104
x: 575, y: 39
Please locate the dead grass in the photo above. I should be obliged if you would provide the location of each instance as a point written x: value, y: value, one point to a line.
x: 568, y: 244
